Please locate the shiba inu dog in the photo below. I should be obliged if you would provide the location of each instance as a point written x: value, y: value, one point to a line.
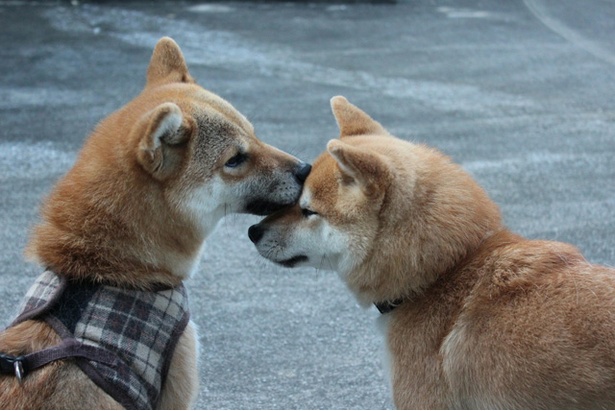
x: 475, y: 316
x: 118, y: 235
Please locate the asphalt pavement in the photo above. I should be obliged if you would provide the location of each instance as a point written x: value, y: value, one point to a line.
x: 519, y: 92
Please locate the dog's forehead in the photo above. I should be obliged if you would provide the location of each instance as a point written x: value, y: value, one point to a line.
x: 322, y: 183
x: 205, y: 102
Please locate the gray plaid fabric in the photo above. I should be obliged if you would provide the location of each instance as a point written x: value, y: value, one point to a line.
x: 45, y: 289
x: 141, y: 328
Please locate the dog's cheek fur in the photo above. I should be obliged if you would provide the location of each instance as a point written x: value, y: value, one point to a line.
x: 324, y: 246
x: 350, y: 217
x: 336, y: 249
x: 200, y: 206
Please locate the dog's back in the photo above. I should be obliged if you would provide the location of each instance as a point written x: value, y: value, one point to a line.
x: 520, y: 324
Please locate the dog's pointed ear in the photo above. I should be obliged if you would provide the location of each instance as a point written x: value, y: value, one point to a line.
x: 167, y: 64
x: 352, y: 120
x: 161, y: 134
x: 369, y: 171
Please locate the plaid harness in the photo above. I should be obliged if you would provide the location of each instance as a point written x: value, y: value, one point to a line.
x: 122, y: 339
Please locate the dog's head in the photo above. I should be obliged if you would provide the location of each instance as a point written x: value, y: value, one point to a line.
x: 387, y: 214
x: 156, y: 176
x: 204, y: 150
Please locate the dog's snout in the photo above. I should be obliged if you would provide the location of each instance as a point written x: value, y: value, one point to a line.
x: 302, y: 172
x: 255, y: 233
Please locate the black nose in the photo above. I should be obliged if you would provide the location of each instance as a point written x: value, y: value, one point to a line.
x: 303, y: 172
x: 255, y: 233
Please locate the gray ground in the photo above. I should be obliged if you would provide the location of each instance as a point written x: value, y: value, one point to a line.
x: 520, y: 92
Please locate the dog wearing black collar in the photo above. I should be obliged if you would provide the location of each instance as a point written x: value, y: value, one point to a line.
x: 475, y: 316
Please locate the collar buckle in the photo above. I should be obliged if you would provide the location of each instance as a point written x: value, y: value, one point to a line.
x: 10, y: 364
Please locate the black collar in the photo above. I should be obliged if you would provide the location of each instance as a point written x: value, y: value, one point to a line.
x: 388, y: 306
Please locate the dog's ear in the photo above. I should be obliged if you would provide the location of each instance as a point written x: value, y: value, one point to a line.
x: 369, y: 171
x: 167, y: 64
x: 352, y: 120
x: 161, y: 135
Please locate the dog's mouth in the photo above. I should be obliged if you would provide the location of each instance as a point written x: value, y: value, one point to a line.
x: 291, y: 262
x: 263, y: 207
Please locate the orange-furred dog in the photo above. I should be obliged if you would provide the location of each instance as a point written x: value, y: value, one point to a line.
x: 131, y: 216
x: 475, y: 316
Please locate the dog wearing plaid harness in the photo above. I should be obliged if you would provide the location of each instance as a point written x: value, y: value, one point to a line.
x: 121, y: 339
x: 122, y: 230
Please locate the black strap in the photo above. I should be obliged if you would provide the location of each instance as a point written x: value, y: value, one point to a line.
x: 20, y: 366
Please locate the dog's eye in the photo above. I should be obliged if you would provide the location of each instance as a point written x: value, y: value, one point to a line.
x: 236, y: 160
x: 307, y: 212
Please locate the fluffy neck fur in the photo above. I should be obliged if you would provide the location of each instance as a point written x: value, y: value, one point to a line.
x: 114, y: 225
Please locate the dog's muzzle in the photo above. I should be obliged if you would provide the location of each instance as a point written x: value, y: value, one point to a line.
x: 263, y: 204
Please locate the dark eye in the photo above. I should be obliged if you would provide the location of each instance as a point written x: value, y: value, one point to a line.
x: 307, y: 212
x: 236, y: 160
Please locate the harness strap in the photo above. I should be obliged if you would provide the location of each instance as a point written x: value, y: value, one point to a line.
x: 21, y: 365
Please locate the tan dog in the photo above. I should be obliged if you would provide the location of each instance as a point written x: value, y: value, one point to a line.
x: 477, y: 317
x: 150, y: 184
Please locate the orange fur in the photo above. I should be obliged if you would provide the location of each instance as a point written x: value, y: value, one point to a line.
x: 150, y: 183
x: 488, y: 319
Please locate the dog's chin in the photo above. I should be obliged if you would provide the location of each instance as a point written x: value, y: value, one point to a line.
x: 292, y: 262
x: 263, y: 208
